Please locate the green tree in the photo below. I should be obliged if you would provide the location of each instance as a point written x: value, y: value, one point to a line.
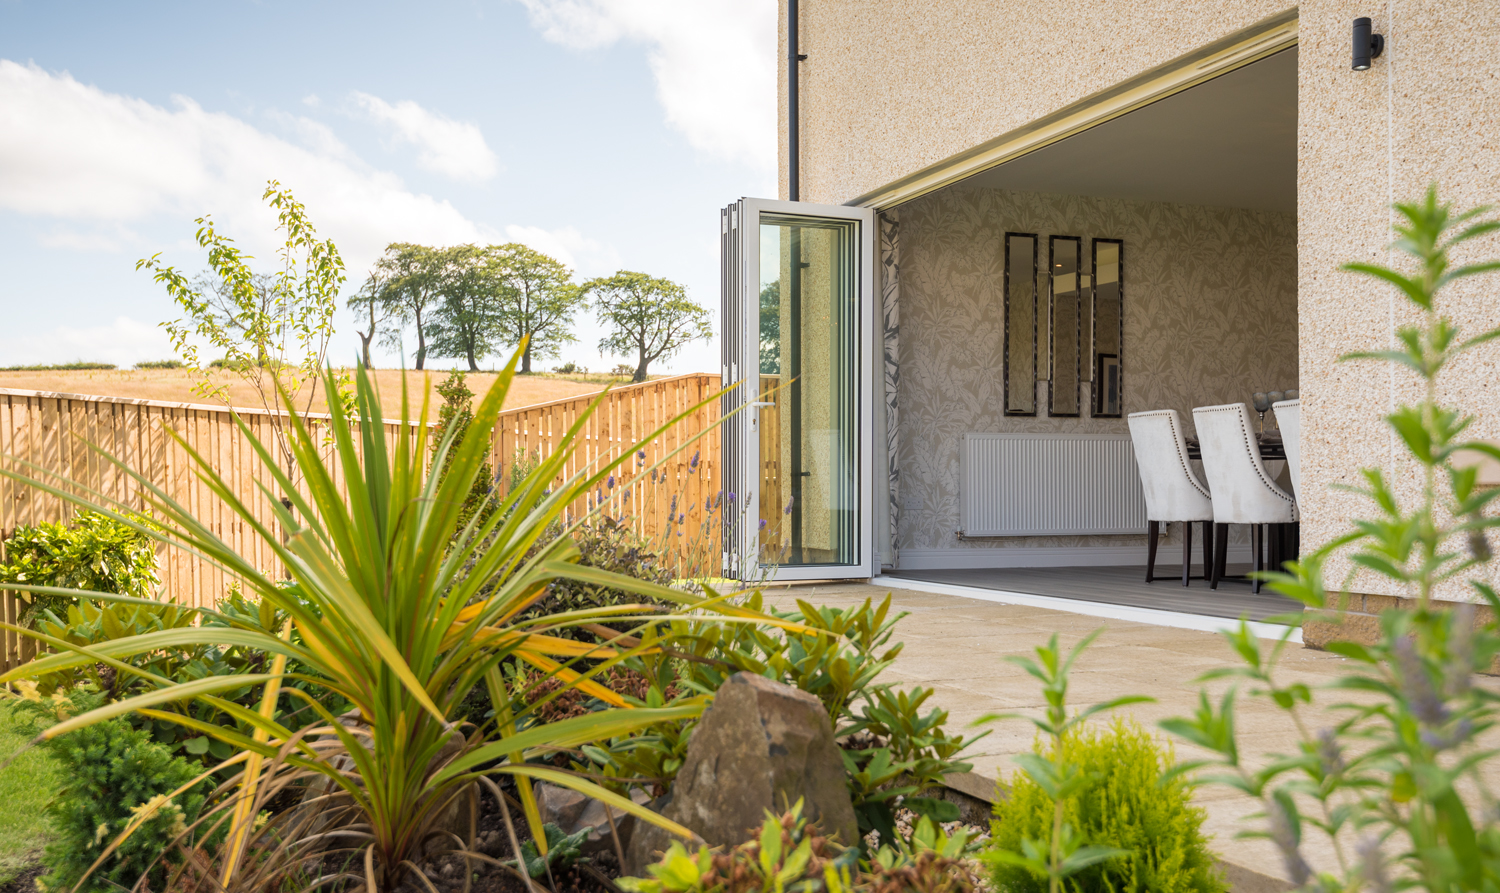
x: 650, y: 317
x: 537, y: 301
x: 770, y: 329
x: 371, y: 299
x: 466, y: 319
x: 274, y: 329
x: 412, y: 288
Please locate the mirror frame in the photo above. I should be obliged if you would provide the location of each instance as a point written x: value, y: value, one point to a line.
x: 1094, y: 355
x: 1052, y: 327
x: 1005, y: 325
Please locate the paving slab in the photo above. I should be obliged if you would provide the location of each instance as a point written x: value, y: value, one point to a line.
x: 957, y: 646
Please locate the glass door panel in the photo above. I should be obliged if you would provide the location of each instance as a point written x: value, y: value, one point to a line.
x: 804, y: 464
x: 808, y: 347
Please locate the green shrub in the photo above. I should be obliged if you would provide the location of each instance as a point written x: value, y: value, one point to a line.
x: 111, y: 772
x: 455, y: 415
x: 92, y: 624
x: 159, y: 364
x: 787, y: 854
x: 608, y: 545
x: 893, y: 750
x: 77, y: 366
x: 790, y: 855
x: 1126, y: 804
x: 96, y: 553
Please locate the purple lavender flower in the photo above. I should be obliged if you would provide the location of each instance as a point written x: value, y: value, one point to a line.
x: 1372, y: 865
x: 682, y: 519
x: 1462, y: 730
x: 788, y: 509
x: 610, y: 482
x: 640, y: 457
x: 762, y: 523
x: 693, y: 462
x: 1416, y: 685
x: 1329, y: 753
x: 1286, y: 841
x: 673, y: 510
x: 731, y: 496
x: 653, y: 475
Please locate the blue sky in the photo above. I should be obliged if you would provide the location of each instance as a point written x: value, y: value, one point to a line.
x: 606, y: 132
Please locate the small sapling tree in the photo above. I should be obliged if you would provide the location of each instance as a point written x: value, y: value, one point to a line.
x: 273, y: 329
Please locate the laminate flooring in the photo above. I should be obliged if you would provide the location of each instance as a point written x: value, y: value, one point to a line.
x: 1122, y: 586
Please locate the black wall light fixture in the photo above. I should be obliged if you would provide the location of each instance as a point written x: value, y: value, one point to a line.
x: 1367, y: 44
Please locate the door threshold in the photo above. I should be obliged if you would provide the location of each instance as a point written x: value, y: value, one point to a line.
x: 1152, y: 616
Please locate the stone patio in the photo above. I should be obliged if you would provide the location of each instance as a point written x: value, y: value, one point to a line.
x: 957, y: 646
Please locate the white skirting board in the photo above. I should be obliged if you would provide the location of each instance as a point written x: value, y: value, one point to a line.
x: 1168, y: 555
x: 1170, y: 619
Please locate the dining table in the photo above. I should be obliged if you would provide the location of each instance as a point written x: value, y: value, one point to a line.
x: 1270, y: 444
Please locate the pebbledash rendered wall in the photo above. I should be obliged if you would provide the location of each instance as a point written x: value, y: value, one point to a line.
x: 889, y: 88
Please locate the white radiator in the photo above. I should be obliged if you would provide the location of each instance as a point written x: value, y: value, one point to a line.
x: 1050, y: 485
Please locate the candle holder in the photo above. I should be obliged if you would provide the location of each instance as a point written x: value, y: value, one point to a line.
x: 1262, y: 402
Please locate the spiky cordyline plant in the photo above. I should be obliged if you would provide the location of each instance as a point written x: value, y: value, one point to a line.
x: 379, y: 599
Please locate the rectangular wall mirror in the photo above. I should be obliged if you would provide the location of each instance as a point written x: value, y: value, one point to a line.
x: 1064, y: 264
x: 1020, y: 324
x: 1109, y: 328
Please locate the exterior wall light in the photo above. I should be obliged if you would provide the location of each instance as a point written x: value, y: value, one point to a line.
x: 1367, y: 44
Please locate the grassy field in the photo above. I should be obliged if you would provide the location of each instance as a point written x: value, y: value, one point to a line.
x: 25, y: 788
x: 176, y: 386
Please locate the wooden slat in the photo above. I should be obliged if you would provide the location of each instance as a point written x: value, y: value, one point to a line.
x: 55, y: 431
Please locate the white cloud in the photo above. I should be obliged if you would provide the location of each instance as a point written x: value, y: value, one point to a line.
x: 452, y: 148
x: 714, y: 63
x: 71, y: 151
x: 588, y: 257
x: 122, y: 342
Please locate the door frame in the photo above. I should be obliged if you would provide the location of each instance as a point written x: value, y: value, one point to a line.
x: 742, y: 360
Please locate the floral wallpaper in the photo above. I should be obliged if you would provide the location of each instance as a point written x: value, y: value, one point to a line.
x: 890, y: 315
x: 1210, y: 300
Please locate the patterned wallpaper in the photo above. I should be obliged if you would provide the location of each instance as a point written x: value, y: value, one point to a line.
x: 1210, y: 317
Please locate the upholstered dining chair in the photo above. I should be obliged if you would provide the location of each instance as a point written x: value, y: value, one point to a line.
x: 1173, y: 492
x: 1243, y: 491
x: 1289, y: 420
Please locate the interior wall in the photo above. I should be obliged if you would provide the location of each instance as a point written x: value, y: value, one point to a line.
x: 1210, y: 317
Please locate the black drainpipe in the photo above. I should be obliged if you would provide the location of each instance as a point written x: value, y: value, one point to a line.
x: 792, y: 145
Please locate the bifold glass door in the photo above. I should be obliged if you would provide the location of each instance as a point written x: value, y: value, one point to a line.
x: 798, y: 339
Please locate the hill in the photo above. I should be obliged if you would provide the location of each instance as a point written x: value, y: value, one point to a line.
x: 176, y: 386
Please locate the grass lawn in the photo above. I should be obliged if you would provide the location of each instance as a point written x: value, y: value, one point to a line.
x: 25, y: 788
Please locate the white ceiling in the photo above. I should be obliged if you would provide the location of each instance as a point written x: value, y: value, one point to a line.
x: 1230, y: 142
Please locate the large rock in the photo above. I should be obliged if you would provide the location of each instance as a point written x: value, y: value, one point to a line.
x: 762, y: 746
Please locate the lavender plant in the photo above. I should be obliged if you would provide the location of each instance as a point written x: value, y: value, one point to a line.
x: 1396, y: 785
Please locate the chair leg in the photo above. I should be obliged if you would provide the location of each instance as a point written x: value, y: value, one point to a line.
x: 1187, y: 551
x: 1221, y: 552
x: 1257, y: 540
x: 1153, y: 530
x: 1208, y: 550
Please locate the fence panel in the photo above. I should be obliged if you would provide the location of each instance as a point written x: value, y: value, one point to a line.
x: 58, y: 434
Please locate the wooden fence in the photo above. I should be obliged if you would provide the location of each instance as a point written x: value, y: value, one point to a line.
x: 54, y: 432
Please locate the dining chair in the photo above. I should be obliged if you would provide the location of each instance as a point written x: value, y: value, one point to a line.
x: 1289, y: 420
x: 1173, y: 491
x: 1243, y: 491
